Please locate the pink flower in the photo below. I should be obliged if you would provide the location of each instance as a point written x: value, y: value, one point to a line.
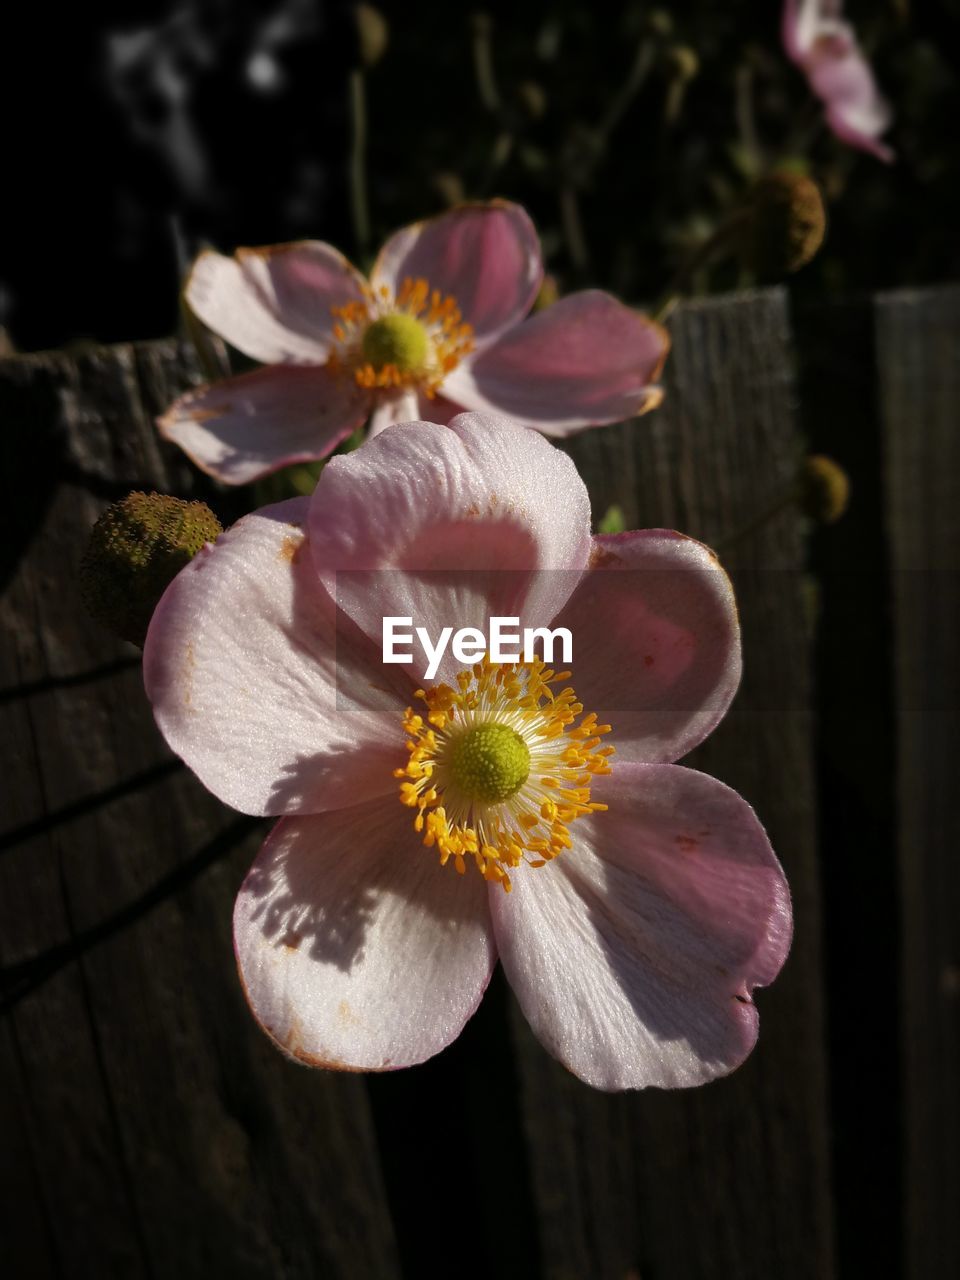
x: 644, y: 902
x: 826, y: 48
x: 436, y: 329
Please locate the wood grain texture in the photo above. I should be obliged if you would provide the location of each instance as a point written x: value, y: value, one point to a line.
x: 149, y: 1129
x: 732, y: 1179
x: 152, y: 1131
x: 918, y: 337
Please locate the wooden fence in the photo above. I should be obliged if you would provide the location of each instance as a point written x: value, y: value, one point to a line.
x: 150, y: 1130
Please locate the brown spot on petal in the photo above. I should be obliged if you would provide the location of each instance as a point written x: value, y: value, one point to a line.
x: 346, y: 1015
x: 653, y: 399
x: 290, y: 548
x: 472, y: 512
x: 204, y: 415
x: 293, y: 1042
x: 602, y: 557
x: 295, y: 1047
x: 311, y: 1060
x: 292, y: 940
x: 648, y: 659
x: 687, y: 843
x: 298, y: 1052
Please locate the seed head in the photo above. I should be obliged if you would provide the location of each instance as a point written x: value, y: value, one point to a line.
x: 136, y: 549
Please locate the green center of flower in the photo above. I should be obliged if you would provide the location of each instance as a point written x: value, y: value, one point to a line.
x: 397, y: 340
x: 490, y: 763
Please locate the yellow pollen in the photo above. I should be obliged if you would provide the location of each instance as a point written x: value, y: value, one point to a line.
x: 388, y: 343
x: 500, y: 766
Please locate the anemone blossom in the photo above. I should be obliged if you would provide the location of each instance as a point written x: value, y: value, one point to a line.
x: 503, y: 809
x: 436, y: 329
x: 826, y: 49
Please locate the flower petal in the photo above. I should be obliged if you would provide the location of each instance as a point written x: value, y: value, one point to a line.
x: 799, y: 24
x: 243, y: 428
x: 278, y: 704
x: 487, y: 256
x: 437, y: 408
x: 585, y: 361
x: 841, y: 76
x: 474, y: 513
x: 356, y: 949
x: 634, y: 954
x: 402, y: 408
x: 656, y: 642
x: 273, y: 303
x: 827, y: 50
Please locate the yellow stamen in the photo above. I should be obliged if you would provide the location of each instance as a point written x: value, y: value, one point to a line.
x: 499, y: 767
x: 389, y: 344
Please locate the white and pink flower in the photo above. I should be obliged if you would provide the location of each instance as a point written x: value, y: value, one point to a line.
x: 436, y: 329
x: 424, y: 832
x: 825, y: 47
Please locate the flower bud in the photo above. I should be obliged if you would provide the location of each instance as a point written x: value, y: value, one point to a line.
x: 136, y: 549
x: 785, y: 225
x: 373, y: 34
x: 824, y: 488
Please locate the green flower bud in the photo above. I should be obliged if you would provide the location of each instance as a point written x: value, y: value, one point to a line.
x: 824, y: 488
x: 136, y: 549
x: 785, y: 225
x: 373, y: 34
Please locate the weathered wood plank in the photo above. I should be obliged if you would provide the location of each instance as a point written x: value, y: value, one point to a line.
x: 733, y: 1179
x: 158, y: 1132
x: 918, y: 338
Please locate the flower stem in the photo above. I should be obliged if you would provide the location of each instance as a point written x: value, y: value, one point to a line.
x: 573, y: 227
x: 637, y: 75
x: 786, y: 499
x: 359, y: 208
x: 483, y: 62
x: 704, y: 253
x: 746, y: 116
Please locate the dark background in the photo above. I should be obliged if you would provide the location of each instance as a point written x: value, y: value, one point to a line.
x: 135, y: 132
